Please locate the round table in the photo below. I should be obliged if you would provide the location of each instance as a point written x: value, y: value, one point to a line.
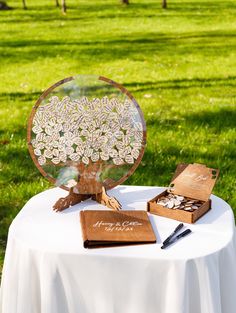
x: 46, y: 268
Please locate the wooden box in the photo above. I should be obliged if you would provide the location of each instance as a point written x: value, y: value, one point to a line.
x: 194, y: 181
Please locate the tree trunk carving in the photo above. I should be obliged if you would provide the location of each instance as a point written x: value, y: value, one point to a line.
x: 88, y: 186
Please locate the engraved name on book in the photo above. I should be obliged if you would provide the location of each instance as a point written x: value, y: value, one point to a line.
x: 120, y: 227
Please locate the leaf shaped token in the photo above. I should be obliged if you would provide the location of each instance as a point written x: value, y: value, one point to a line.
x: 105, y: 128
x: 91, y: 128
x: 69, y: 143
x: 122, y: 154
x: 80, y: 150
x: 77, y: 140
x: 48, y: 154
x: 56, y: 160
x: 37, y: 152
x: 119, y: 108
x: 104, y: 156
x: 118, y: 161
x: 127, y: 150
x: 129, y: 159
x: 114, y: 102
x: 40, y: 145
x: 109, y: 134
x: 84, y: 101
x: 63, y: 157
x: 113, y: 153
x: 74, y: 157
x: 103, y: 116
x: 127, y: 104
x: 138, y: 135
x: 40, y: 137
x: 34, y: 142
x: 85, y: 132
x: 85, y: 160
x: 48, y: 130
x: 105, y: 100
x: 65, y: 127
x: 37, y: 129
x: 96, y: 101
x: 58, y: 127
x: 80, y: 107
x: 115, y: 127
x: 54, y: 100
x: 130, y: 132
x: 119, y: 134
x: 120, y: 145
x: 95, y: 157
x: 55, y: 136
x: 126, y: 140
x: 62, y: 140
x: 55, y: 152
x: 102, y: 140
x: 135, y: 153
x: 42, y: 160
x: 69, y: 150
x: 52, y: 122
x: 136, y: 144
x: 61, y: 148
x: 108, y: 108
x: 55, y: 144
x: 88, y: 152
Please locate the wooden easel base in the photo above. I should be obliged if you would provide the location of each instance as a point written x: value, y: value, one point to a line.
x: 74, y: 198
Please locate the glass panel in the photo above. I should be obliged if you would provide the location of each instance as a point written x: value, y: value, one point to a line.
x: 86, y: 132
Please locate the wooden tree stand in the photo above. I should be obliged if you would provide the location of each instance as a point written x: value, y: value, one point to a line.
x: 74, y: 198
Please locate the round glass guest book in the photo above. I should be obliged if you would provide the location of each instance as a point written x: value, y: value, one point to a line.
x: 86, y: 132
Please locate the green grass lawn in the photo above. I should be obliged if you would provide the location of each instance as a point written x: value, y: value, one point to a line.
x: 179, y: 63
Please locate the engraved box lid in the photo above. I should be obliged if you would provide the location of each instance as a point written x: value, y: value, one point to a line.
x: 194, y: 181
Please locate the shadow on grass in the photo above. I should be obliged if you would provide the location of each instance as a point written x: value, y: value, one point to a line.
x: 135, y: 46
x: 184, y: 83
x: 157, y: 167
x: 218, y: 121
x: 21, y: 96
x: 16, y: 163
x: 213, y: 122
x: 85, y: 11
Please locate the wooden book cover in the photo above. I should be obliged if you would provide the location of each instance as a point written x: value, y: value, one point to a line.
x: 103, y: 228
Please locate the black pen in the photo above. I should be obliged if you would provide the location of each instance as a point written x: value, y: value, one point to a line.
x: 183, y: 234
x: 173, y: 233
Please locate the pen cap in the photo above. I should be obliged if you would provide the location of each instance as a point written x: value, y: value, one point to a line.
x: 184, y: 233
x: 179, y: 227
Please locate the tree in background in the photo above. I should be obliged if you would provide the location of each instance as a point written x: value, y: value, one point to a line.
x: 24, y: 4
x: 4, y: 6
x: 63, y: 6
x: 164, y: 4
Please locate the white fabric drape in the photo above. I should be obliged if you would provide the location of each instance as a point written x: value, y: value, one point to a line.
x: 47, y: 270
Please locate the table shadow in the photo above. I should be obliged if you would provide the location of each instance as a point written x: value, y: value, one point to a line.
x: 154, y: 227
x: 127, y: 197
x: 218, y: 208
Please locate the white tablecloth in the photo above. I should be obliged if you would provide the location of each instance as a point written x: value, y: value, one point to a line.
x: 47, y: 270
